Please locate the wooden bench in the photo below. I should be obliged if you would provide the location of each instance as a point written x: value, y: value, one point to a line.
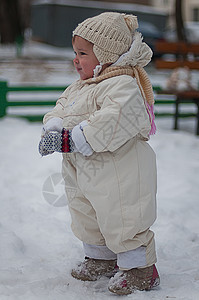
x: 181, y: 52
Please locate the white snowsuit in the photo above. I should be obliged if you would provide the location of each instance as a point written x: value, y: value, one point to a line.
x: 112, y: 193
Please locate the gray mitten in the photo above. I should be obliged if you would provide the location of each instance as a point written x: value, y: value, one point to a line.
x: 50, y: 142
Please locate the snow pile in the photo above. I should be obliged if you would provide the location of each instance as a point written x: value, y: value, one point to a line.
x: 37, y: 247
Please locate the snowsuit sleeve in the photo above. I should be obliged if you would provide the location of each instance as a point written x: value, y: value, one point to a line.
x: 58, y: 110
x: 121, y: 117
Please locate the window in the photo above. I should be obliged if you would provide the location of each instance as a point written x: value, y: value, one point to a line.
x: 196, y: 14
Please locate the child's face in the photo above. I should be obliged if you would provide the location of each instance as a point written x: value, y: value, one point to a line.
x: 85, y: 60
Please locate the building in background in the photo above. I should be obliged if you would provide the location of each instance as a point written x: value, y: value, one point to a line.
x: 142, y: 2
x: 52, y: 21
x: 190, y: 13
x: 191, y: 10
x: 191, y: 7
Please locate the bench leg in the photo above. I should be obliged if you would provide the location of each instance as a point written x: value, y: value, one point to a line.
x: 197, y: 117
x: 176, y: 115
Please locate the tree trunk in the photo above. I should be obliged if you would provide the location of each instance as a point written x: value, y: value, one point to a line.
x: 10, y: 21
x: 181, y: 34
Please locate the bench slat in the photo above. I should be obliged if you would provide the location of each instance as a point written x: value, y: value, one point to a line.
x: 177, y: 47
x: 166, y: 64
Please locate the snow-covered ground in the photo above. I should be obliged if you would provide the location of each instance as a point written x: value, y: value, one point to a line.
x: 37, y: 247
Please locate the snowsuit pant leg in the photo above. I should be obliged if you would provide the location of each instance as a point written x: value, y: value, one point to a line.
x: 84, y: 222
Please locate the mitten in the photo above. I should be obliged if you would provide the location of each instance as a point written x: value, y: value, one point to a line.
x: 80, y: 141
x: 54, y: 124
x: 56, y: 142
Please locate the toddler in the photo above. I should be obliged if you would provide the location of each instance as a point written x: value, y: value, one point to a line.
x: 101, y: 124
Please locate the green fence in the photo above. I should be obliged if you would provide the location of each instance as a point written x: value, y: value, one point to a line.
x: 6, y: 91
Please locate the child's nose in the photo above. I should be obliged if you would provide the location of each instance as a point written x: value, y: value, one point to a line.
x: 75, y: 60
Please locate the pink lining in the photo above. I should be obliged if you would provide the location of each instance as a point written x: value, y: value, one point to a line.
x: 151, y: 118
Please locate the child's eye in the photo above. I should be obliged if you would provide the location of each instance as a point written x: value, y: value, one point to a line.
x: 82, y: 53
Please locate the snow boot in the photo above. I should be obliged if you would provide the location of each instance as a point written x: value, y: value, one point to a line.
x: 126, y: 282
x: 91, y: 269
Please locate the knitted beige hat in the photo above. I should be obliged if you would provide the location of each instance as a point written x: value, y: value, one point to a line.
x: 110, y: 32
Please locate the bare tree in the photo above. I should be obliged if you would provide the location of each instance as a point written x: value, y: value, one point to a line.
x: 14, y: 19
x: 10, y: 24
